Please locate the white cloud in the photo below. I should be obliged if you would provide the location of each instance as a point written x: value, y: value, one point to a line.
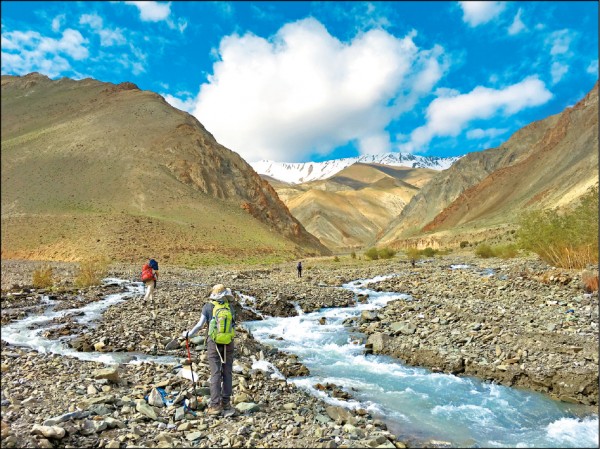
x: 560, y: 40
x: 57, y: 22
x: 306, y: 92
x: 517, y: 25
x: 479, y: 133
x: 557, y: 71
x: 187, y: 105
x: 450, y: 115
x: 108, y: 36
x: 152, y: 11
x: 29, y: 51
x: 592, y: 69
x: 479, y: 12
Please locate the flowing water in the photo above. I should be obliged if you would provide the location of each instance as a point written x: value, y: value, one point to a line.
x: 414, y: 401
x: 26, y: 332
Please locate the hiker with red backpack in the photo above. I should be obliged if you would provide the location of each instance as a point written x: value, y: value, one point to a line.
x: 220, y: 316
x: 149, y: 278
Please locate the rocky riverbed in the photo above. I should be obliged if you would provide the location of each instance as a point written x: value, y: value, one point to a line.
x: 509, y: 325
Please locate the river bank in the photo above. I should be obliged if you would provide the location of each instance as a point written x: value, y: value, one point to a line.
x: 434, y: 330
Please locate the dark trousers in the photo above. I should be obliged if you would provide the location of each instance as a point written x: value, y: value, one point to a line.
x: 299, y: 273
x: 221, y: 376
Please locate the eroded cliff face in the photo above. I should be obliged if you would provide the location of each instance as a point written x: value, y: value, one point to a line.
x: 548, y: 163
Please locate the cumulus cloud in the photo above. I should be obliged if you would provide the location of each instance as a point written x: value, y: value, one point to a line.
x: 449, y: 116
x: 152, y: 11
x: 306, y: 92
x: 517, y: 26
x: 29, y: 51
x: 57, y: 22
x: 557, y: 71
x: 188, y: 104
x: 560, y: 41
x: 479, y: 133
x: 108, y: 36
x: 592, y: 69
x: 479, y: 12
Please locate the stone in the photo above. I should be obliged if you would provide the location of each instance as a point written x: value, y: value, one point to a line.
x: 403, y: 328
x: 53, y: 432
x: 247, y: 407
x: 113, y: 444
x: 91, y: 389
x: 184, y: 427
x: 44, y: 443
x: 112, y: 374
x: 179, y: 414
x: 340, y: 415
x: 193, y: 436
x: 145, y: 409
x: 379, y: 341
x: 155, y: 399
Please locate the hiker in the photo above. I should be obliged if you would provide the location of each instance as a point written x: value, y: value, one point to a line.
x: 149, y: 278
x: 220, y: 315
x: 299, y: 267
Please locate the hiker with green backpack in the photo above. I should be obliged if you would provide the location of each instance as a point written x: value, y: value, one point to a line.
x: 219, y: 315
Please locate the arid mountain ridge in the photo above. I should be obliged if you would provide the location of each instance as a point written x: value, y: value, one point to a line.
x: 93, y: 168
x: 548, y: 164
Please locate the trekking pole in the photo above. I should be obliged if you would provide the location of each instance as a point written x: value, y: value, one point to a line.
x: 187, y: 345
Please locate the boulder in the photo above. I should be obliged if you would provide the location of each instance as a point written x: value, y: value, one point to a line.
x: 111, y: 373
x: 378, y: 341
x: 54, y: 432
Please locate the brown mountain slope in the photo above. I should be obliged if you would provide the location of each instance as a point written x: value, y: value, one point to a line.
x: 94, y: 168
x: 547, y: 163
x: 349, y: 209
x: 560, y: 167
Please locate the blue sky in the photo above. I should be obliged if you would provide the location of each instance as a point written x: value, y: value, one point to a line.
x: 312, y: 81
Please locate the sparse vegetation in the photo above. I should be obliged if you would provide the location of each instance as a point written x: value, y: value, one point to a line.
x: 590, y: 281
x: 336, y: 259
x: 353, y: 255
x: 91, y: 272
x: 567, y: 240
x: 464, y: 244
x: 414, y: 253
x: 372, y: 254
x: 485, y: 250
x: 43, y: 277
x: 386, y: 253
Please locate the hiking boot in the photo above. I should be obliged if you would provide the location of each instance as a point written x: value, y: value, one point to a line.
x: 226, y: 406
x: 215, y: 411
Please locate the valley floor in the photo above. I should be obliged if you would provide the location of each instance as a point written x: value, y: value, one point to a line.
x: 501, y: 320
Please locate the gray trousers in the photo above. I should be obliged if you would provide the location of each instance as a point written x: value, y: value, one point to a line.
x: 221, y: 374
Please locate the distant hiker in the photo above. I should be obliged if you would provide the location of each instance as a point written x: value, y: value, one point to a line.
x: 412, y: 261
x: 219, y: 315
x: 149, y: 278
x: 299, y: 267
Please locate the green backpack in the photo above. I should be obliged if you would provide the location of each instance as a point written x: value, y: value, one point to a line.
x: 220, y: 328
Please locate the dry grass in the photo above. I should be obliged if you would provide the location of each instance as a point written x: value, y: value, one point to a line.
x: 590, y: 281
x: 91, y: 272
x: 43, y: 277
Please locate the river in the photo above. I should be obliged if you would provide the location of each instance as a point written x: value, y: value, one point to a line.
x: 414, y: 402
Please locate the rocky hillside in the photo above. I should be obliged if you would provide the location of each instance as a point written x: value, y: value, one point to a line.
x: 95, y: 168
x: 548, y: 163
x: 348, y: 210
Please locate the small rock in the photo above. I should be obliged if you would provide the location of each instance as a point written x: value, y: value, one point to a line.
x: 54, y: 432
x: 112, y: 374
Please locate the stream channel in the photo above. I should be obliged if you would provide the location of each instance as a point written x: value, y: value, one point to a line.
x: 414, y: 402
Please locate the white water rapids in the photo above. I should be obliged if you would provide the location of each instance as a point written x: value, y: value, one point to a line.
x: 413, y: 401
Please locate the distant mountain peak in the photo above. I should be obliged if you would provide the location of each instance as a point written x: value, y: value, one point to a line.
x: 299, y: 172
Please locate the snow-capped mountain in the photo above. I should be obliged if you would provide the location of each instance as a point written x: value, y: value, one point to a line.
x: 296, y: 173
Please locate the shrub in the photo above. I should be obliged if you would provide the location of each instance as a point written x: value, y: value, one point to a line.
x: 43, y: 277
x: 505, y: 251
x: 91, y: 272
x: 568, y: 240
x: 464, y: 244
x: 484, y: 250
x: 590, y: 281
x: 413, y: 253
x: 372, y: 254
x: 386, y: 253
x: 428, y: 252
x: 336, y: 259
x: 353, y: 255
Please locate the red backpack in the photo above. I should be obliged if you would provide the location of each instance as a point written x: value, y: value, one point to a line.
x: 147, y: 274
